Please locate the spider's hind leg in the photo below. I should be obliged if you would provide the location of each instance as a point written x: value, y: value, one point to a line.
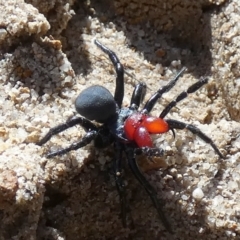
x: 83, y: 142
x: 86, y: 124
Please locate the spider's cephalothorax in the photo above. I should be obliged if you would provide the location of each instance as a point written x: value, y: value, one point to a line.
x: 128, y: 129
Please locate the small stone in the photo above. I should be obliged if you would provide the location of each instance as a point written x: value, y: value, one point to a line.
x: 198, y: 194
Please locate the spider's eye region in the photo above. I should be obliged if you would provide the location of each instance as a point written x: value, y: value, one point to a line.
x: 96, y: 103
x: 138, y: 128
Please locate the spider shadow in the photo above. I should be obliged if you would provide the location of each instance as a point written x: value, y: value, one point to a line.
x: 86, y: 204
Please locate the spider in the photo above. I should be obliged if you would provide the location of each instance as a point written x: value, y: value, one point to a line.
x: 128, y: 129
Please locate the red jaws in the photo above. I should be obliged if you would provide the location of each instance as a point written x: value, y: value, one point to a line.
x: 131, y: 124
x: 155, y: 125
x: 142, y: 137
x: 138, y: 128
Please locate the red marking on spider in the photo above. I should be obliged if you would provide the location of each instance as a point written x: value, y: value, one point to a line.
x: 139, y: 126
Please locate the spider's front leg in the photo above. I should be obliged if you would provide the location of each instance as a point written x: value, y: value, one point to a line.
x: 130, y: 152
x: 138, y: 95
x: 152, y: 101
x: 119, y: 91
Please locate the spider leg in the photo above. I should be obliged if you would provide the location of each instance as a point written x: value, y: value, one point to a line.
x: 152, y: 101
x: 83, y: 142
x: 174, y: 124
x: 119, y: 91
x: 138, y: 95
x: 86, y: 124
x: 193, y: 88
x: 118, y: 174
x: 147, y: 186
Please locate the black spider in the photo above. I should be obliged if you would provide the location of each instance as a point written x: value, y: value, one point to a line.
x: 128, y: 129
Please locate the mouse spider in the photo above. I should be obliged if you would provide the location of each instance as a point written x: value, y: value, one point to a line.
x: 128, y: 129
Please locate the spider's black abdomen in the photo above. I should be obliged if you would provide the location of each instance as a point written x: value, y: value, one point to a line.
x: 96, y: 103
